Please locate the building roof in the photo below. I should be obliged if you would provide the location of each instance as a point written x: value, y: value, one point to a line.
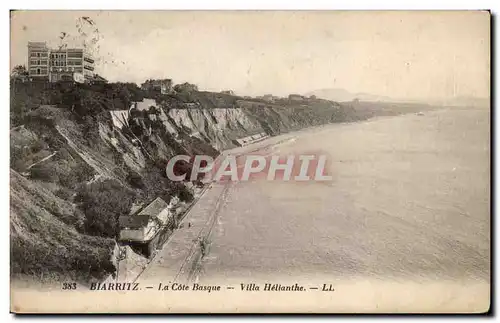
x: 136, y: 208
x: 154, y: 208
x: 140, y: 215
x: 99, y: 78
x: 38, y: 44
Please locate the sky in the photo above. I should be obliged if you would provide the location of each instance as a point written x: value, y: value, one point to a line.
x: 410, y: 55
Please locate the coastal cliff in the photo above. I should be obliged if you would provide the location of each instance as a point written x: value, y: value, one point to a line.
x: 75, y: 168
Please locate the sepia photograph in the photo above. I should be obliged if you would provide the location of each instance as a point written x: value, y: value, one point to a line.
x: 176, y: 161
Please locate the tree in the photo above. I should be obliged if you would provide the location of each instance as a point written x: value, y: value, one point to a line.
x: 185, y: 87
x: 19, y: 71
x: 102, y: 204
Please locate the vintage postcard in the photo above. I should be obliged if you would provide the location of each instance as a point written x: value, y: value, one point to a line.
x: 250, y: 162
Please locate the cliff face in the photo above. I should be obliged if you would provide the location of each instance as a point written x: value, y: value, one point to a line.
x: 219, y: 127
x: 220, y: 119
x: 61, y: 156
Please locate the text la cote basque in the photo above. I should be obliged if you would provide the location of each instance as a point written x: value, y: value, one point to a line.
x: 249, y: 287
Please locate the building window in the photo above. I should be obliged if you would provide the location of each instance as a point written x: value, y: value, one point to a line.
x: 38, y: 71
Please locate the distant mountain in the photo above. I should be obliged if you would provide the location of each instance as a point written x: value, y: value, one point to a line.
x: 341, y: 95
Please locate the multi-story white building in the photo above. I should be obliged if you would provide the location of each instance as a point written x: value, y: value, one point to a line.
x: 38, y: 59
x: 59, y: 64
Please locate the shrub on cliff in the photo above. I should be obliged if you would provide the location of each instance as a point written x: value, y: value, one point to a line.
x: 79, y: 173
x: 135, y: 180
x: 156, y: 184
x: 64, y: 193
x: 180, y: 190
x: 102, y: 203
x: 25, y: 97
x: 45, y: 172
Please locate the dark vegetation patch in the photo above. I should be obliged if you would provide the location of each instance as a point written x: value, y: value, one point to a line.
x: 102, y: 202
x: 81, y: 99
x: 156, y: 184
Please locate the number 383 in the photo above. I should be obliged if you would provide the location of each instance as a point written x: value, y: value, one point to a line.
x: 68, y: 286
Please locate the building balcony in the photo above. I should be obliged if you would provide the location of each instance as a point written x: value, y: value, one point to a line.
x: 62, y: 68
x: 38, y: 54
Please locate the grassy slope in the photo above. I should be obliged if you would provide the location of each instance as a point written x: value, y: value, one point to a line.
x: 43, y: 241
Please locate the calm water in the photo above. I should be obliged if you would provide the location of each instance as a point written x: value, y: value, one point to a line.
x: 409, y: 200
